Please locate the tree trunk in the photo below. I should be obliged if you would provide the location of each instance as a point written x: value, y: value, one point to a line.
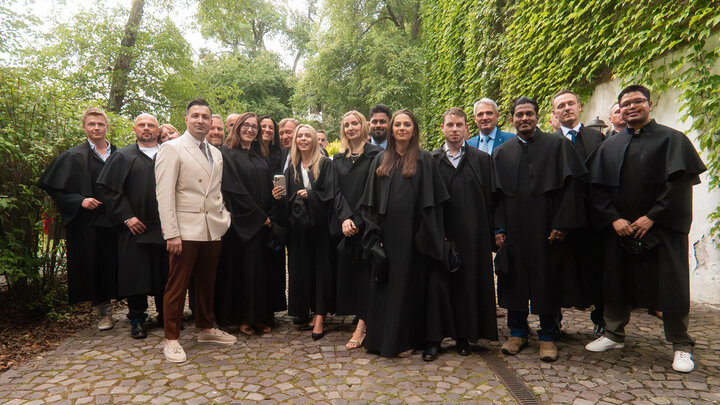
x: 119, y: 77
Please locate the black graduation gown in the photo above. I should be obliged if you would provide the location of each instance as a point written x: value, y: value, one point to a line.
x: 404, y: 219
x: 583, y: 243
x: 537, y: 192
x: 311, y: 255
x: 465, y: 299
x: 90, y: 236
x: 353, y: 273
x: 128, y: 180
x: 276, y: 261
x: 649, y: 173
x: 242, y: 284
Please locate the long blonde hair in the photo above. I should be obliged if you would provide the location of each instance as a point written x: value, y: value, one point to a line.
x: 364, y: 130
x: 296, y: 157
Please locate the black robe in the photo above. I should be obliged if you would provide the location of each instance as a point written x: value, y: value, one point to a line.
x: 353, y: 273
x: 537, y: 185
x: 90, y: 236
x: 243, y: 285
x: 582, y: 243
x: 646, y: 173
x: 466, y: 298
x: 128, y: 180
x: 311, y: 256
x: 276, y: 266
x: 404, y: 221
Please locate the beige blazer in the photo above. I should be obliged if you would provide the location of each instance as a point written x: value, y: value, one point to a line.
x: 188, y: 191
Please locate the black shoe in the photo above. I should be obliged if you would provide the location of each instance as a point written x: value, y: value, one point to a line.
x: 318, y: 336
x: 463, y: 347
x: 138, y: 331
x: 355, y: 320
x: 598, y: 330
x: 306, y: 327
x: 431, y: 353
x: 299, y: 320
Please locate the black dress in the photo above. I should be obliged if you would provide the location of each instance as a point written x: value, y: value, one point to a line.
x: 465, y: 299
x: 404, y: 221
x: 353, y: 273
x: 90, y: 236
x: 242, y: 286
x: 311, y: 258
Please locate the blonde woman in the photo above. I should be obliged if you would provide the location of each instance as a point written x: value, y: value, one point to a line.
x: 168, y: 133
x: 352, y: 167
x: 308, y: 205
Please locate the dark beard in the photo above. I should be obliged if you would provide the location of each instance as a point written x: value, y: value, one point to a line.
x: 379, y: 137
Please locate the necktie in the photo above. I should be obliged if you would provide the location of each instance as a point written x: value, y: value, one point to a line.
x: 203, y: 148
x: 572, y: 134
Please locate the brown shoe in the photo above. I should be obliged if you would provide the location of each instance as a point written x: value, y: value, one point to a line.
x: 513, y: 345
x: 548, y: 351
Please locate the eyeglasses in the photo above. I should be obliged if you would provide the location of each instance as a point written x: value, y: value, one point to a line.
x: 637, y: 102
x: 249, y: 126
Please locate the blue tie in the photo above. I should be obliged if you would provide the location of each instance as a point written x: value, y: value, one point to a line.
x: 572, y: 133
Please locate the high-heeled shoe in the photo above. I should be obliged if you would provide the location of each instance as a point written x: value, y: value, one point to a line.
x: 318, y: 336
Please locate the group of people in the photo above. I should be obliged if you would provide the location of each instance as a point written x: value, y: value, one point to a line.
x: 404, y: 239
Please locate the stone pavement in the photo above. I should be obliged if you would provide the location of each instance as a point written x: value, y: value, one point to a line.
x: 288, y: 366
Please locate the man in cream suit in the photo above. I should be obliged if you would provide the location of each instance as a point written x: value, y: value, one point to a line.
x: 193, y: 218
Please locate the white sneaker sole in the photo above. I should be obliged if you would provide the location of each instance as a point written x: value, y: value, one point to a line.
x: 616, y: 346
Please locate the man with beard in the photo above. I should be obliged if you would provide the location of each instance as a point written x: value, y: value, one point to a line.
x: 379, y: 121
x: 128, y: 180
x: 90, y: 236
x: 216, y: 136
x: 193, y: 219
x: 461, y: 304
x: 485, y: 113
x: 536, y: 176
x: 641, y: 184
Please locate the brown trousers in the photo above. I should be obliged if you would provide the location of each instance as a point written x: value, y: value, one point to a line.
x: 199, y: 260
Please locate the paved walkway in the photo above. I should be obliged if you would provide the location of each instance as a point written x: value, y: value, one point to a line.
x: 287, y: 366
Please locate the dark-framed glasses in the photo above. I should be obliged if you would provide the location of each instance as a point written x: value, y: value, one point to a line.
x: 637, y: 102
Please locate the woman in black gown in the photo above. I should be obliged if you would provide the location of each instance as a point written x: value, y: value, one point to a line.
x: 402, y: 209
x: 272, y: 150
x: 241, y: 289
x: 352, y: 166
x: 309, y: 199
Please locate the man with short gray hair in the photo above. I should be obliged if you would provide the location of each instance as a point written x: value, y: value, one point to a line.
x: 486, y: 116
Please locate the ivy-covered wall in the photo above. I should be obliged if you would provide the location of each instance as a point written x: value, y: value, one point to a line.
x: 504, y: 49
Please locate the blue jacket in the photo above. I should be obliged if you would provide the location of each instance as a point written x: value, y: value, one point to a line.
x: 500, y: 137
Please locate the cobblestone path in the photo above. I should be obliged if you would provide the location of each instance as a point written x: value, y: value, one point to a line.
x: 288, y: 366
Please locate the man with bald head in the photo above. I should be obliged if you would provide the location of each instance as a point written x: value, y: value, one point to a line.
x: 128, y: 180
x: 616, y: 119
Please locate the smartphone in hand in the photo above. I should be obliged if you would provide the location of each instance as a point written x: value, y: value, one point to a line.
x: 279, y: 180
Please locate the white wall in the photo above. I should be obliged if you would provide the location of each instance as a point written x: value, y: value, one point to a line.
x: 704, y: 257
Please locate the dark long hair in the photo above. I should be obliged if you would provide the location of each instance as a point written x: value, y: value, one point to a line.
x: 275, y: 143
x: 391, y: 160
x: 233, y: 140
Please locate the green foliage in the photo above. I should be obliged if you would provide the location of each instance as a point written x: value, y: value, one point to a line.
x: 506, y: 49
x: 36, y: 125
x: 333, y: 148
x: 239, y: 24
x: 368, y: 53
x: 76, y: 58
x: 13, y: 27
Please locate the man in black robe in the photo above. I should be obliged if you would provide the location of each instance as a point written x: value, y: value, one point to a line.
x: 582, y: 243
x: 536, y: 175
x: 128, y: 180
x: 642, y: 181
x: 90, y: 236
x: 464, y: 299
x: 617, y: 121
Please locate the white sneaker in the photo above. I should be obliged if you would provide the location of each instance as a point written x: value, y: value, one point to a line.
x: 174, y: 353
x: 106, y: 322
x: 602, y: 344
x: 683, y: 362
x: 215, y: 335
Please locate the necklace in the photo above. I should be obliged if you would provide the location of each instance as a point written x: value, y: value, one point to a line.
x: 354, y: 156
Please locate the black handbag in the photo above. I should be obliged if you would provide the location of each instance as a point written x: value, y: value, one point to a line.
x: 639, y: 246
